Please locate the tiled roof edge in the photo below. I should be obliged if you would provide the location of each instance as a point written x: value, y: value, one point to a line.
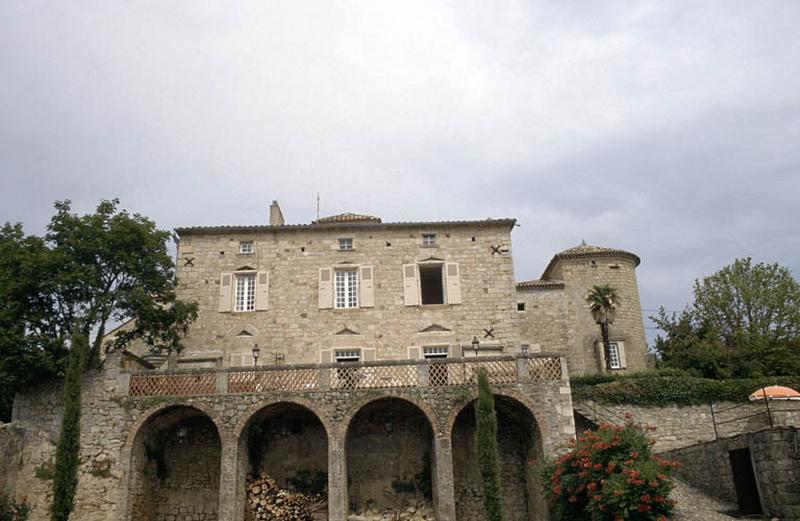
x: 337, y: 225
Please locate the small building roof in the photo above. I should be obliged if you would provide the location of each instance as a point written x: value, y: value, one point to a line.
x: 540, y: 284
x: 583, y: 251
x: 347, y: 217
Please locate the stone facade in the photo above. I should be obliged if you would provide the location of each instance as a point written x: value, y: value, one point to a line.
x: 556, y: 317
x: 124, y: 437
x: 369, y: 335
x: 775, y: 460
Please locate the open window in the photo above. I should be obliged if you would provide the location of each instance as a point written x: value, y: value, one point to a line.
x: 431, y: 283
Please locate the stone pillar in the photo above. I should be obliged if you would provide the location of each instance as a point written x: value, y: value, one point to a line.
x: 124, y: 384
x: 229, y: 508
x: 445, y: 493
x: 523, y: 374
x: 337, y: 480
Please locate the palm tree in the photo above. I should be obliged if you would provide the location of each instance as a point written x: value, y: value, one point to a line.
x: 603, y: 302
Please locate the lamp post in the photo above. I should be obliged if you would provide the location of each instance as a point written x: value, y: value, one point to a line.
x: 476, y: 344
x: 256, y: 352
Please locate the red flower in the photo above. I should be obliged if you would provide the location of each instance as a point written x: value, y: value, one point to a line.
x: 573, y: 499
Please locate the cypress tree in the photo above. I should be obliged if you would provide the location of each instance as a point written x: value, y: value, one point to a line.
x: 65, y: 479
x: 486, y: 448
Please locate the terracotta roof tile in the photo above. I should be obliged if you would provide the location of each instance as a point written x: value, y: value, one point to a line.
x: 347, y: 217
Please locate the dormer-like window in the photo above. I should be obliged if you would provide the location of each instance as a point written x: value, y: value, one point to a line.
x: 346, y: 244
x: 246, y: 247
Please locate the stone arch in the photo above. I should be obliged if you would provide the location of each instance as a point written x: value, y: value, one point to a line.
x: 542, y: 425
x: 422, y: 405
x: 174, y: 463
x: 254, y: 409
x: 152, y: 411
x: 397, y: 431
x: 287, y: 440
x: 520, y: 441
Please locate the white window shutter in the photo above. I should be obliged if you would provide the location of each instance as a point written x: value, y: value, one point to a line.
x: 453, y: 277
x: 623, y: 363
x: 410, y: 285
x: 326, y: 356
x: 366, y: 287
x: 325, y: 288
x: 368, y: 354
x: 414, y: 352
x: 601, y: 355
x: 225, y: 292
x: 262, y: 291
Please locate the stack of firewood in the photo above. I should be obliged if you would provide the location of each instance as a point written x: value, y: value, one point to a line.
x: 266, y: 501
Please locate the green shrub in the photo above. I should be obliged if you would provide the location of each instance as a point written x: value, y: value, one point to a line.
x: 12, y: 510
x: 610, y: 475
x: 486, y: 447
x: 668, y: 387
x: 65, y: 479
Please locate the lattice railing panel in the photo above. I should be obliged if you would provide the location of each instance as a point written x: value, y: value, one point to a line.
x: 439, y: 374
x: 498, y: 371
x: 375, y: 377
x: 544, y: 369
x: 274, y: 380
x: 173, y: 384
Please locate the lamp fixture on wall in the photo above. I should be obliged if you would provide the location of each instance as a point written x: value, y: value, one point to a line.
x: 476, y: 344
x: 256, y: 353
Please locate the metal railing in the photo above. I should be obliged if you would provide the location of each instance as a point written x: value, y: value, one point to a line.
x: 503, y: 369
x: 768, y: 409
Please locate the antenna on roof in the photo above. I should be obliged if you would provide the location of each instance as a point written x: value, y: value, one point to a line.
x: 317, y: 205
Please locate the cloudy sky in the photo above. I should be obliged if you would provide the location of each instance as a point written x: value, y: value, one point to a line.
x: 671, y: 129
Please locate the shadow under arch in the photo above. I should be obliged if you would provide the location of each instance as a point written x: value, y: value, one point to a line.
x: 286, y: 441
x: 389, y: 445
x: 521, y: 460
x: 175, y: 464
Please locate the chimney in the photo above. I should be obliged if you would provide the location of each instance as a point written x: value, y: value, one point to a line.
x: 275, y: 214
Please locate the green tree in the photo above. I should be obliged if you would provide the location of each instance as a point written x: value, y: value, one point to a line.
x: 65, y: 479
x: 486, y: 448
x: 603, y: 302
x: 87, y: 273
x: 744, y: 322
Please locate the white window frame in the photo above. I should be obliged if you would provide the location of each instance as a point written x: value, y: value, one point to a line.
x: 246, y: 248
x: 347, y: 355
x: 346, y: 244
x: 429, y: 240
x: 614, y: 361
x: 345, y: 288
x: 437, y: 351
x: 248, y: 295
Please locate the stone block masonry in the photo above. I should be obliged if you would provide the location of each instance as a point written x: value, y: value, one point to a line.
x: 159, y: 458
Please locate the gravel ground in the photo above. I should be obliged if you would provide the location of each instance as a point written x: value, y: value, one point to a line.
x: 694, y: 505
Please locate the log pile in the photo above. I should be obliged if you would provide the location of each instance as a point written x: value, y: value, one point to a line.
x: 266, y: 501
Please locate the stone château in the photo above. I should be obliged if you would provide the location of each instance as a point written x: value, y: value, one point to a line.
x: 344, y: 349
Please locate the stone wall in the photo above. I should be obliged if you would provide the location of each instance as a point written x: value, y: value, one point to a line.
x: 543, y: 323
x: 295, y: 326
x: 108, y: 476
x: 776, y: 462
x: 579, y: 275
x: 387, y: 446
x: 683, y: 426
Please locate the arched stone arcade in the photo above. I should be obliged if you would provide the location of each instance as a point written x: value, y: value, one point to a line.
x: 390, y: 456
x: 175, y: 466
x: 520, y: 447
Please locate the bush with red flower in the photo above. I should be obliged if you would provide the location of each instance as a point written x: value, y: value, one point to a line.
x: 610, y: 475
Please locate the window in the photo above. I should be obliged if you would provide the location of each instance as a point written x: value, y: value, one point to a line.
x: 431, y: 284
x: 345, y: 244
x: 613, y: 355
x: 245, y: 297
x: 246, y: 248
x: 429, y: 239
x: 435, y: 351
x: 350, y: 355
x: 346, y: 288
x: 520, y: 306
